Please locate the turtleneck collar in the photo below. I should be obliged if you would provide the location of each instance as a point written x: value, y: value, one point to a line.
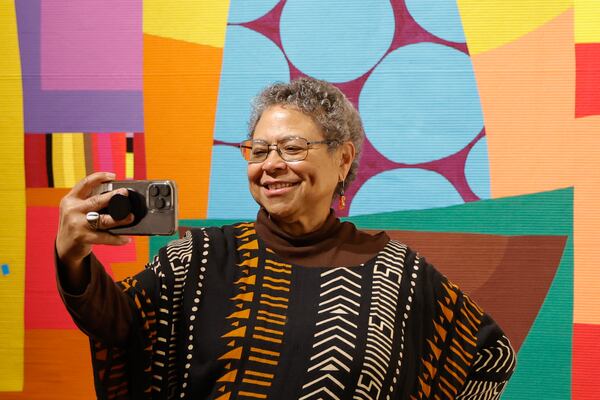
x: 334, y: 244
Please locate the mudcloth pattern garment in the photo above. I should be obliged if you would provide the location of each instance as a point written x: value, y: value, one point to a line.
x: 220, y: 316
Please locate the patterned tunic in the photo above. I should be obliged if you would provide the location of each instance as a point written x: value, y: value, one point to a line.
x: 218, y: 315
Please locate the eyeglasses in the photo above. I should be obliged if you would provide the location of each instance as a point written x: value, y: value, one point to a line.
x: 291, y: 148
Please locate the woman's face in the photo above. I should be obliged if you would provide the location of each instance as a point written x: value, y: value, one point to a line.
x: 300, y: 191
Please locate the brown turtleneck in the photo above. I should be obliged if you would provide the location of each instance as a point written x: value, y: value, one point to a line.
x: 334, y: 244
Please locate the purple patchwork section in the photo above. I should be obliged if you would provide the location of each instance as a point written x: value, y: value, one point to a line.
x: 91, y: 45
x: 70, y: 110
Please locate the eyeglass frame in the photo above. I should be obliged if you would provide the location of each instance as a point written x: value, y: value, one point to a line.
x: 275, y: 146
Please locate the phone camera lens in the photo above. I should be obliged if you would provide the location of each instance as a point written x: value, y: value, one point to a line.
x: 159, y: 203
x: 165, y: 190
x: 154, y: 190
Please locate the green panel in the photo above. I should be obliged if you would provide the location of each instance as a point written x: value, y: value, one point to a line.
x: 544, y: 360
x: 546, y: 213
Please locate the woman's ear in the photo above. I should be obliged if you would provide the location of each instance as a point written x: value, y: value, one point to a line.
x: 347, y: 154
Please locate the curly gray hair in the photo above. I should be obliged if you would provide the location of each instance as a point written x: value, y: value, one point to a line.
x: 325, y: 104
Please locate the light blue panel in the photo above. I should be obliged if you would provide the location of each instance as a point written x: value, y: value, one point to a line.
x: 439, y: 17
x: 477, y: 169
x: 250, y: 63
x: 336, y: 40
x: 245, y: 11
x: 229, y: 196
x: 421, y: 103
x: 404, y: 189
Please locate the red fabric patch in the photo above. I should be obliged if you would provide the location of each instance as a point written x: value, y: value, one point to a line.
x: 587, y: 83
x: 36, y: 175
x: 43, y: 307
x: 139, y: 156
x: 118, y: 144
x: 586, y: 361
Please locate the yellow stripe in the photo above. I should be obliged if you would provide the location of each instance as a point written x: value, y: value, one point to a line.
x: 587, y: 21
x: 129, y: 165
x: 201, y: 22
x: 57, y: 160
x: 12, y: 229
x: 78, y: 157
x: 67, y: 160
x: 491, y: 24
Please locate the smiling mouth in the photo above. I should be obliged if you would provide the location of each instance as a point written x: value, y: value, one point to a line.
x: 275, y: 186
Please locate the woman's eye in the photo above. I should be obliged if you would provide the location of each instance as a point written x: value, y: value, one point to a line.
x: 292, y: 149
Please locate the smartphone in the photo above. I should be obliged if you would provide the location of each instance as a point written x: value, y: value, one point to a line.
x: 152, y: 202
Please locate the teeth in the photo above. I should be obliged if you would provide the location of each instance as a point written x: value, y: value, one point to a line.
x: 279, y: 185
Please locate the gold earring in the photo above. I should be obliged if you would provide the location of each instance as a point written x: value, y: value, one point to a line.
x: 342, y: 198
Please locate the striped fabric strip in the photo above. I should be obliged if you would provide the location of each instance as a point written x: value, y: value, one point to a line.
x: 118, y: 144
x: 102, y: 151
x: 139, y: 150
x: 35, y: 161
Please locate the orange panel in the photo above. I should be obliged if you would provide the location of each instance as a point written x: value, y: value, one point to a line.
x: 180, y: 98
x: 45, y: 197
x: 535, y: 143
x: 527, y: 91
x: 57, y: 366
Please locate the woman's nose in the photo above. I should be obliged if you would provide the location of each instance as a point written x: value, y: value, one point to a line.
x: 273, y: 160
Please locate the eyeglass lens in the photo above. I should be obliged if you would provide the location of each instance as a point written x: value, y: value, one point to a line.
x: 290, y: 149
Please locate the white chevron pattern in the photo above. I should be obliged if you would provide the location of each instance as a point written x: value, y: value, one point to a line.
x: 336, y: 334
x: 179, y: 256
x: 498, y: 359
x: 482, y: 390
x: 387, y: 275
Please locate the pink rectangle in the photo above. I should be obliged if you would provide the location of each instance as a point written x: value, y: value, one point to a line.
x: 91, y: 45
x: 103, y: 157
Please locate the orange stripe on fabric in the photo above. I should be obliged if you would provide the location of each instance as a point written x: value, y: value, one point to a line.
x: 263, y: 312
x: 263, y: 360
x: 281, y: 271
x: 263, y: 351
x: 256, y: 382
x: 266, y: 338
x: 271, y: 321
x: 279, y: 288
x: 268, y: 303
x: 273, y: 331
x: 252, y: 394
x: 275, y: 280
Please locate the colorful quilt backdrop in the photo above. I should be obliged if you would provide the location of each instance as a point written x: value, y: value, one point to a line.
x: 482, y: 123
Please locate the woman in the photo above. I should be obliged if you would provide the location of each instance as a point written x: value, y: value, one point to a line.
x: 296, y: 305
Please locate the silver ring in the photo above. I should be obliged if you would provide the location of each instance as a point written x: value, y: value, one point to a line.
x: 93, y: 219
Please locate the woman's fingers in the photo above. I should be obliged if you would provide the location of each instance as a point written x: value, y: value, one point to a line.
x: 107, y: 222
x: 85, y: 187
x: 100, y: 201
